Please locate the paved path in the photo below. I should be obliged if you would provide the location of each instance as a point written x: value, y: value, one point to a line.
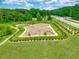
x: 9, y: 36
x: 68, y: 22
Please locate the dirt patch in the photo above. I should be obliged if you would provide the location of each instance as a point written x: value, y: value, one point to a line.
x: 38, y: 30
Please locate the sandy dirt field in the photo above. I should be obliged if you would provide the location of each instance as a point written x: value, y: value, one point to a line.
x: 38, y: 30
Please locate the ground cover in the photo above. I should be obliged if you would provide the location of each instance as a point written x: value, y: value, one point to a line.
x: 5, y: 31
x: 41, y: 49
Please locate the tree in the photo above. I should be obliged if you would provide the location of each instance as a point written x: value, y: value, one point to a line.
x: 49, y: 17
x: 70, y: 11
x: 29, y: 17
x: 39, y: 17
x: 45, y: 33
x: 10, y: 15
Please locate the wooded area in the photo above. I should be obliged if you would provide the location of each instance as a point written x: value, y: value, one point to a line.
x: 8, y: 15
x: 70, y: 11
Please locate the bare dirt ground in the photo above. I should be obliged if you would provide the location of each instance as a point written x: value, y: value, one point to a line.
x: 38, y: 30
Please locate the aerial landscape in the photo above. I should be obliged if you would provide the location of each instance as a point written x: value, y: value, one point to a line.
x: 39, y: 29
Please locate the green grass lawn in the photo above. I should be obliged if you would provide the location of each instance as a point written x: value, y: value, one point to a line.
x: 63, y: 49
x: 68, y: 49
x: 5, y: 31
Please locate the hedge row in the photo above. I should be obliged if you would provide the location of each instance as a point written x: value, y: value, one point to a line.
x: 71, y: 28
x: 42, y: 37
x: 64, y: 28
x: 39, y: 38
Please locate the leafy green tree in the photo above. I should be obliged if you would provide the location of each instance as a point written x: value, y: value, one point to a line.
x: 10, y: 15
x: 39, y: 17
x: 49, y: 17
x: 70, y: 11
x: 29, y: 17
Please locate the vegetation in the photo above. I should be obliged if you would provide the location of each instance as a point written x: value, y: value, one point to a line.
x: 60, y: 31
x: 5, y: 31
x: 29, y: 34
x: 70, y: 11
x: 49, y: 17
x: 13, y: 15
x: 45, y: 33
x: 39, y: 17
x: 66, y: 49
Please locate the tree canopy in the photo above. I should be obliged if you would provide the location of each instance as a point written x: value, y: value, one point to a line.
x: 70, y: 11
x: 8, y: 15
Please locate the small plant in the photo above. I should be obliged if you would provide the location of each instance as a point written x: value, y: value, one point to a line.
x: 29, y: 34
x: 45, y: 33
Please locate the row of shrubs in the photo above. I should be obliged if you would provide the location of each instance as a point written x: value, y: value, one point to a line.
x: 64, y: 28
x: 71, y: 28
x: 60, y: 28
x: 39, y: 38
x: 64, y: 36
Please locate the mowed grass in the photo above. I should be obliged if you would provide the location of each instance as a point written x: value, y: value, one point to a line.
x: 67, y: 49
x: 5, y: 31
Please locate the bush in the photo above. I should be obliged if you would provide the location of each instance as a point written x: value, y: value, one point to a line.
x: 49, y: 17
x: 45, y: 33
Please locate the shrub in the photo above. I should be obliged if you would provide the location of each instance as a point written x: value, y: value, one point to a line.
x: 45, y: 33
x: 29, y: 34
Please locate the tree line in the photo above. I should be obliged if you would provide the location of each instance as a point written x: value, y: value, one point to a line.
x: 8, y: 15
x: 70, y: 11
